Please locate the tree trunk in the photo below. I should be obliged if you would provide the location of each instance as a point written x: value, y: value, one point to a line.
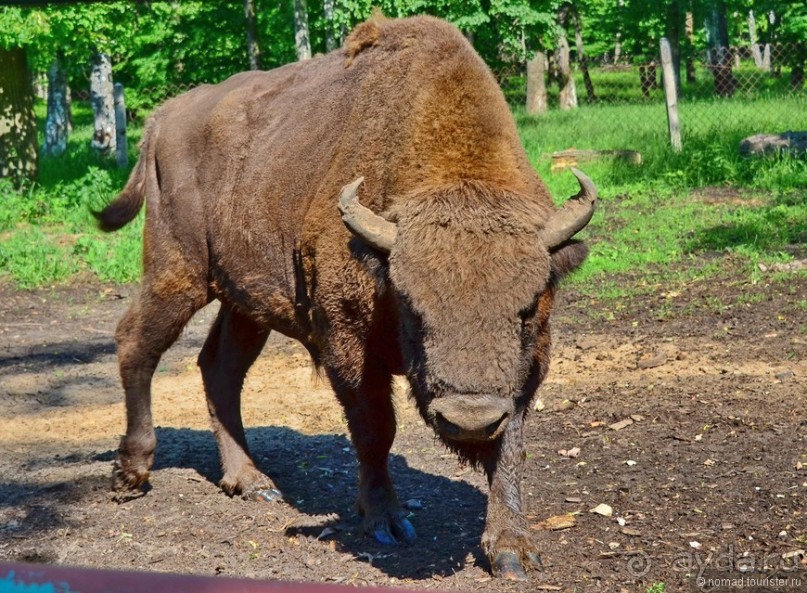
x: 18, y: 144
x: 253, y: 49
x: 122, y: 146
x: 673, y: 34
x: 330, y: 36
x: 536, y: 84
x: 797, y: 72
x: 648, y: 78
x: 568, y: 91
x: 301, y: 37
x: 618, y: 41
x: 719, y: 53
x: 581, y: 55
x: 103, y: 106
x: 752, y: 37
x: 689, y: 31
x: 57, y: 123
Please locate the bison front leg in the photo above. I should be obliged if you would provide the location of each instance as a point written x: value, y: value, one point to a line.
x: 371, y: 420
x: 507, y: 541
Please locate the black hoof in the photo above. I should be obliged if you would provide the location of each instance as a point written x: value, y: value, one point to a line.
x: 397, y: 531
x: 535, y: 559
x: 265, y: 495
x: 506, y: 565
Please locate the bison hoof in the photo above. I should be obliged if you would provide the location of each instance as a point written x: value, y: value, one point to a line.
x: 127, y: 481
x: 398, y: 530
x: 265, y: 495
x: 507, y: 566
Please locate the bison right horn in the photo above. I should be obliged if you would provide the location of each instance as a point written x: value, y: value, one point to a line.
x: 574, y: 214
x: 363, y: 222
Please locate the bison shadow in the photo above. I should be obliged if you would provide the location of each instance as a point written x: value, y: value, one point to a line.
x: 318, y: 476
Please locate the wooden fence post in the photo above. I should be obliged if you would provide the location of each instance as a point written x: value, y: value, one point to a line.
x: 671, y: 95
x: 121, y: 147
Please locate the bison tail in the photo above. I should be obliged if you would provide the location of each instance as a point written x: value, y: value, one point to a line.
x: 125, y: 207
x: 128, y: 203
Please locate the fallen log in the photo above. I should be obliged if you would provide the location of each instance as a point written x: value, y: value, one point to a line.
x: 571, y: 157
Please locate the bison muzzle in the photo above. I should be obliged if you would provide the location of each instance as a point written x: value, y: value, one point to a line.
x: 375, y: 204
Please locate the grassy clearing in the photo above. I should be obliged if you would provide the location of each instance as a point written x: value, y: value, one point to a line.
x: 650, y: 219
x: 47, y: 231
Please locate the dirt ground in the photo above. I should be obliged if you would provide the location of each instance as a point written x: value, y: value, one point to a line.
x: 684, y: 411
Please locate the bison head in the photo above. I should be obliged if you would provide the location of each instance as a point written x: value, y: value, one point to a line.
x: 473, y: 271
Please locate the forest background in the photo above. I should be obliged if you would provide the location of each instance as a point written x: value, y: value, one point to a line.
x: 159, y: 49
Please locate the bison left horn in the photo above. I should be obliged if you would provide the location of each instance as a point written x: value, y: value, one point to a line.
x: 363, y: 222
x: 574, y: 214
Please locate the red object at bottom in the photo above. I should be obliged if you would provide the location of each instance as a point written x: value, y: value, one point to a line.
x: 42, y: 578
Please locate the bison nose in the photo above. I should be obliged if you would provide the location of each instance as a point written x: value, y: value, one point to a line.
x: 471, y: 417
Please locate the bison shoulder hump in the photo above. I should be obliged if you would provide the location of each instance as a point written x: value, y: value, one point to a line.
x: 363, y: 36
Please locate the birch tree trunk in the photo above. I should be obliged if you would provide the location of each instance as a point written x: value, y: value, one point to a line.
x: 752, y: 37
x: 301, y: 38
x: 253, y: 49
x: 618, y: 42
x: 103, y: 106
x: 57, y: 122
x: 122, y: 146
x: 330, y: 36
x: 568, y: 91
x: 581, y: 54
x: 18, y: 144
x: 536, y: 84
x: 689, y: 31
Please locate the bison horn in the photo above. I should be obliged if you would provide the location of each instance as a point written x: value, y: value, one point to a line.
x: 574, y: 214
x: 363, y: 222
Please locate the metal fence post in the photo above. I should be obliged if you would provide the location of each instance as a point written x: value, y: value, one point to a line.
x: 121, y: 148
x: 671, y: 95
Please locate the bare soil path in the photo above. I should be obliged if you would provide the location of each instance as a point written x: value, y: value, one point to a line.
x: 689, y: 410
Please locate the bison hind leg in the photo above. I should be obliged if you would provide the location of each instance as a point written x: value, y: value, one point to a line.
x: 147, y: 330
x: 234, y: 342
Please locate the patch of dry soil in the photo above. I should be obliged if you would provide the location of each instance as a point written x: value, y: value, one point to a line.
x: 690, y: 421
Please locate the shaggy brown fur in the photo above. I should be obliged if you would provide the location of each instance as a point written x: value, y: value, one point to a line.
x: 241, y: 182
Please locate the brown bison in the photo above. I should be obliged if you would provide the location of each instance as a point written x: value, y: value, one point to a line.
x: 444, y: 270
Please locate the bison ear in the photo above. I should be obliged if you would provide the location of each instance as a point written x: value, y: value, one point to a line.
x: 566, y: 258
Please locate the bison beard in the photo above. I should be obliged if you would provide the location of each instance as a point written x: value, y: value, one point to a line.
x: 451, y: 284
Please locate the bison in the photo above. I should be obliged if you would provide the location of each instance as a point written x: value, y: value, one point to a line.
x: 375, y: 204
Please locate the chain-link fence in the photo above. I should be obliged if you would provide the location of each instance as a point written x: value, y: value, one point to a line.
x: 747, y: 90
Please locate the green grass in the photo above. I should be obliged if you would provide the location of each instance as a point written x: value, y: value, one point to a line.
x: 649, y: 221
x: 47, y: 231
x: 650, y: 217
